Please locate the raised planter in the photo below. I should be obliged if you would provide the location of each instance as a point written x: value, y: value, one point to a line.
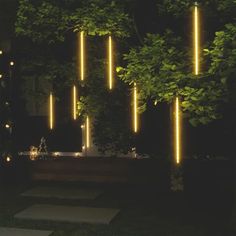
x: 102, y: 170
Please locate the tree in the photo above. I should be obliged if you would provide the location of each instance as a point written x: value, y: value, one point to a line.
x: 49, y: 21
x: 223, y: 67
x: 162, y: 71
x: 162, y: 66
x: 49, y: 27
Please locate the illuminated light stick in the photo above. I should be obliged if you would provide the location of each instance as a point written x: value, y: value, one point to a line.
x: 177, y: 131
x: 135, y: 115
x: 74, y: 102
x: 51, y: 112
x: 196, y: 39
x: 82, y: 55
x: 87, y: 132
x: 110, y: 65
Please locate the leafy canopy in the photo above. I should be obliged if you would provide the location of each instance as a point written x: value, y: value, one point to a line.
x: 162, y: 70
x: 49, y: 21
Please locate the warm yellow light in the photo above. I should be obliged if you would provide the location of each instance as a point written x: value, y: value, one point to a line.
x: 82, y: 55
x: 1, y: 52
x: 87, y: 132
x: 7, y: 126
x: 12, y: 63
x: 110, y: 65
x: 0, y: 76
x: 8, y: 159
x: 74, y: 102
x: 77, y: 154
x: 196, y: 40
x: 135, y: 118
x: 51, y: 111
x: 56, y: 154
x: 177, y: 130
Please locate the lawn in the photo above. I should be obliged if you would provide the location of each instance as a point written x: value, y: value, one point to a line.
x: 145, y: 211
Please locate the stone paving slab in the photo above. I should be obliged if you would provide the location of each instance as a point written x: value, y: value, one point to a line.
x: 63, y: 193
x: 23, y: 232
x: 72, y: 214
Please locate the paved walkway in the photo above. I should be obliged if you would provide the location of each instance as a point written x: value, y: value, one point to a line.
x: 63, y: 193
x: 23, y: 232
x: 72, y: 214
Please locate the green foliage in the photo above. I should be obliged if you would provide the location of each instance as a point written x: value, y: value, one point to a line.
x: 101, y: 17
x: 202, y: 99
x: 42, y: 22
x: 154, y: 68
x: 50, y: 21
x: 223, y: 59
x: 162, y: 70
x: 108, y: 109
x: 111, y: 126
x: 47, y: 24
x: 180, y: 8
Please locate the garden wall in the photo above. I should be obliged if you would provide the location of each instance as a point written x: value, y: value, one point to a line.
x: 102, y: 170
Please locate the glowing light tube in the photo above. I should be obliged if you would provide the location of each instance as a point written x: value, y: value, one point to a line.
x: 196, y: 40
x: 177, y: 131
x: 51, y: 112
x: 82, y: 55
x: 74, y: 102
x: 135, y: 115
x: 110, y: 65
x: 87, y: 132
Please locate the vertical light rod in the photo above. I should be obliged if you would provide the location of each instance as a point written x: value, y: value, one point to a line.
x: 196, y: 39
x: 74, y: 102
x: 135, y: 119
x: 177, y: 131
x: 87, y: 132
x: 51, y: 115
x: 82, y: 55
x: 110, y: 66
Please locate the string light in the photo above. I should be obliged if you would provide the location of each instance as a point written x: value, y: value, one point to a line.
x: 110, y: 65
x: 74, y: 102
x: 135, y: 115
x: 51, y: 111
x: 82, y: 55
x: 177, y: 131
x: 196, y: 39
x: 87, y: 132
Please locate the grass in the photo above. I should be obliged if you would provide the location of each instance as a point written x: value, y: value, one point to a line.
x: 144, y: 212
